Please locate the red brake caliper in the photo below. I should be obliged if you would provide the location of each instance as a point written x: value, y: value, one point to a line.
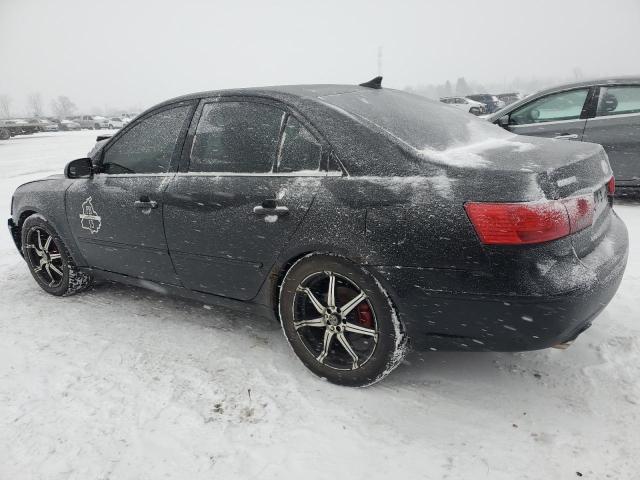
x: 365, y: 317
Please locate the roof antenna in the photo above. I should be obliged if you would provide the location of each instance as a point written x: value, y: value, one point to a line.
x: 374, y: 83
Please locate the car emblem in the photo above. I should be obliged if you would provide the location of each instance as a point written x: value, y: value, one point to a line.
x: 90, y: 220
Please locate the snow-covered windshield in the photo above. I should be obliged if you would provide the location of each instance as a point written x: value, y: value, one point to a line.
x: 417, y: 121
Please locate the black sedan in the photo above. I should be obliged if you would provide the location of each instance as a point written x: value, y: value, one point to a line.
x: 359, y: 217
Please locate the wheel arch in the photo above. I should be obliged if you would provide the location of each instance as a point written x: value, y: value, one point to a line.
x: 280, y: 269
x: 60, y: 225
x: 16, y: 228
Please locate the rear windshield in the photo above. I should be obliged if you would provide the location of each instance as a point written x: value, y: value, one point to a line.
x: 414, y: 120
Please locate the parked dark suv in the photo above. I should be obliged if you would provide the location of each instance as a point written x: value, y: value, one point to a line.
x: 359, y: 217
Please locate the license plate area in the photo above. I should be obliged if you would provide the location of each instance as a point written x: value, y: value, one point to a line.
x: 600, y: 201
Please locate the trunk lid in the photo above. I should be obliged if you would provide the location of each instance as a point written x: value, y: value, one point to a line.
x: 518, y: 168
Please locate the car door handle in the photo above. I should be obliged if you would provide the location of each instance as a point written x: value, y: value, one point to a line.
x: 279, y: 210
x: 146, y: 204
x: 566, y: 136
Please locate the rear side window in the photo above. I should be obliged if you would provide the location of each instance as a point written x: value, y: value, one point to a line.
x: 300, y: 150
x: 552, y: 108
x: 238, y: 137
x: 618, y: 100
x: 148, y: 146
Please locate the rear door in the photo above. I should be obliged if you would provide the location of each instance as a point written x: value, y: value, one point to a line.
x: 253, y: 171
x: 560, y: 115
x: 616, y: 126
x: 116, y: 215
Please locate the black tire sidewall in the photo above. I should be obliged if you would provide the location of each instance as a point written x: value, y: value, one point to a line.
x: 36, y: 221
x: 384, y: 357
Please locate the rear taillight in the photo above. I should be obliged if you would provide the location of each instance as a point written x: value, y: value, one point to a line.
x: 526, y: 223
x: 580, y: 211
x: 611, y: 186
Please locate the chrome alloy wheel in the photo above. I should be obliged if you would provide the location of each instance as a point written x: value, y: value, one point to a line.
x: 327, y: 307
x: 44, y: 257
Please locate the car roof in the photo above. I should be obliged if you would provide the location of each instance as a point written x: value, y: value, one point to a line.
x: 291, y: 93
x: 591, y: 83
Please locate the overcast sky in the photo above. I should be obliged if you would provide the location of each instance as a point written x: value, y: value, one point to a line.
x: 126, y: 53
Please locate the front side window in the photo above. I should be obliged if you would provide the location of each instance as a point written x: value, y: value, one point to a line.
x: 148, y: 146
x: 300, y: 150
x: 618, y: 100
x: 552, y: 108
x: 238, y: 137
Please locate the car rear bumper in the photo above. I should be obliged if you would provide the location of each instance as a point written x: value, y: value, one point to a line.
x: 442, y: 309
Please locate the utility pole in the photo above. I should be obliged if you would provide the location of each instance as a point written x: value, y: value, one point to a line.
x: 380, y: 60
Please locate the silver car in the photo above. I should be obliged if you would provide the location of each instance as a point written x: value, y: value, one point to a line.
x: 603, y: 111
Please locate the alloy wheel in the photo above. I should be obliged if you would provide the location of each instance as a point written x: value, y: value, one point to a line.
x: 44, y: 257
x: 335, y: 320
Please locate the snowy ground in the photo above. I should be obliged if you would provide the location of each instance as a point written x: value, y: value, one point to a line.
x: 121, y: 383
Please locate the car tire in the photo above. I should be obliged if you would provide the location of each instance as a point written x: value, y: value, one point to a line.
x: 49, y: 260
x: 474, y: 110
x: 4, y: 134
x: 347, y: 341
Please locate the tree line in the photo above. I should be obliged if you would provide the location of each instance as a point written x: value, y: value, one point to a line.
x: 61, y: 106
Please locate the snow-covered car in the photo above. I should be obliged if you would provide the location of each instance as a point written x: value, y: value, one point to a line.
x: 465, y: 104
x: 45, y: 125
x: 116, y: 122
x: 439, y: 227
x: 91, y: 121
x: 18, y: 126
x: 67, y: 125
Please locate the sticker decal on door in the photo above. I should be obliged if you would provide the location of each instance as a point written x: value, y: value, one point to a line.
x: 89, y: 218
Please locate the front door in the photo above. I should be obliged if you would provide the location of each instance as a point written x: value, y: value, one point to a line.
x: 116, y: 216
x: 616, y: 127
x: 253, y: 172
x: 558, y: 115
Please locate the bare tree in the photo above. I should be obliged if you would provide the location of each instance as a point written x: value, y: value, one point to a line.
x: 34, y: 104
x: 5, y: 106
x: 63, y: 106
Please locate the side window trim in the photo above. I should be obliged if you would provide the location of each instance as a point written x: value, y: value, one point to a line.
x: 591, y: 103
x: 283, y: 125
x: 173, y: 164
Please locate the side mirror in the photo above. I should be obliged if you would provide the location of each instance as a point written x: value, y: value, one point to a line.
x: 80, y: 168
x: 504, y: 121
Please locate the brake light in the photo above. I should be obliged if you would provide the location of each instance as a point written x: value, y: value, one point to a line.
x: 580, y: 211
x: 611, y: 186
x: 527, y: 223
